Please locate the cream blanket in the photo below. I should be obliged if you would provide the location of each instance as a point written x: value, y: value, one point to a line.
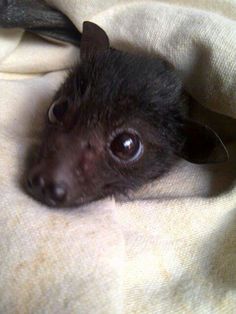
x: 173, y: 249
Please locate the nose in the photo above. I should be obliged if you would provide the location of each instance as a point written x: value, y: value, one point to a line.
x: 51, y: 192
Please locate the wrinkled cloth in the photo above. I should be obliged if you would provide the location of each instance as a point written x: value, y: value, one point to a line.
x: 172, y: 248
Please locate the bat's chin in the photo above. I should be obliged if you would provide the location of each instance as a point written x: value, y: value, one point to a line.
x: 81, y: 201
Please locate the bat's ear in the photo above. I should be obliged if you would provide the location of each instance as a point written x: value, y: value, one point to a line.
x: 202, y: 145
x: 93, y: 40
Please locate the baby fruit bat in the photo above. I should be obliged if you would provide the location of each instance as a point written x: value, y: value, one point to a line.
x: 118, y: 121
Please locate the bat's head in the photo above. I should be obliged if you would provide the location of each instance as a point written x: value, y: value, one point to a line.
x: 116, y: 123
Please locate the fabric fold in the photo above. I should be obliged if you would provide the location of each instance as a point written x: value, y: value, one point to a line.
x: 171, y: 247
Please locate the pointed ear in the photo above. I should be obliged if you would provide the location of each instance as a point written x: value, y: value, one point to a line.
x: 202, y: 144
x: 93, y: 40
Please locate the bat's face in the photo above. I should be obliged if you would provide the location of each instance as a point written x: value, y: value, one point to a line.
x: 115, y: 124
x: 101, y: 137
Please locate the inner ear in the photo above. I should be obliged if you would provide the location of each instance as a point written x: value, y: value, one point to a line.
x: 93, y: 40
x: 202, y: 145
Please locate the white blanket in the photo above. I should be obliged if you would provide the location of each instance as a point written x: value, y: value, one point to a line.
x: 173, y: 249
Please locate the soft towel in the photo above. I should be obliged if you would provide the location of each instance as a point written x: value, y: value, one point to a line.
x: 170, y: 250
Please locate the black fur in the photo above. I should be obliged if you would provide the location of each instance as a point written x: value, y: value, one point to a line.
x: 113, y: 90
x: 108, y: 92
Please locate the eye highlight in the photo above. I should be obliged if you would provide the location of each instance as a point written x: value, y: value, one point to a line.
x: 56, y: 112
x: 126, y: 146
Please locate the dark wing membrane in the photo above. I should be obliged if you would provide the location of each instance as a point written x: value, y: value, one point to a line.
x: 38, y: 18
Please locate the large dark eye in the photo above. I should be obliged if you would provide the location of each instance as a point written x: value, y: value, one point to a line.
x: 56, y: 112
x: 126, y: 146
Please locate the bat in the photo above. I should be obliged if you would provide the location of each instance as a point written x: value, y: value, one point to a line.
x: 118, y: 121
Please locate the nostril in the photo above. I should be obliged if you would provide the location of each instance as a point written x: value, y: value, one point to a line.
x: 29, y: 183
x: 57, y: 192
x: 36, y: 181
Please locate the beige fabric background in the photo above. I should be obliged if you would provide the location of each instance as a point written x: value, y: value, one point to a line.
x: 173, y: 248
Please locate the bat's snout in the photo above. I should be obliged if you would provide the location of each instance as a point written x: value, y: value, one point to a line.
x: 52, y: 192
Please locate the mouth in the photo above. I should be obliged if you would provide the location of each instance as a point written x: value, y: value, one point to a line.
x: 65, y: 204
